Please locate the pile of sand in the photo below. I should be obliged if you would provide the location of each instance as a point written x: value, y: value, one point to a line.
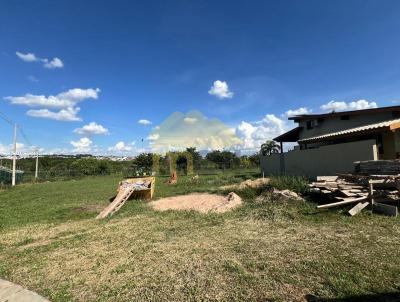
x: 201, y: 202
x: 257, y: 183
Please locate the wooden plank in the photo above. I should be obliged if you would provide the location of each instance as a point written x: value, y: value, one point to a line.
x: 117, y: 203
x: 385, y: 209
x: 347, y: 193
x: 371, y: 193
x: 341, y: 203
x: 327, y: 178
x: 358, y: 208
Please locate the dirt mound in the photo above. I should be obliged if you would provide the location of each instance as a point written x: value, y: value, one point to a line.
x: 201, y: 202
x: 257, y: 183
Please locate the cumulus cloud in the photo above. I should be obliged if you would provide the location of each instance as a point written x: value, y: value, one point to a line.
x: 201, y: 132
x: 144, y: 122
x: 299, y: 111
x: 64, y: 99
x: 190, y: 120
x: 121, y: 147
x: 255, y: 134
x: 220, y: 89
x: 54, y: 63
x: 65, y: 115
x: 92, y: 129
x: 82, y: 145
x: 343, y: 106
x: 47, y: 63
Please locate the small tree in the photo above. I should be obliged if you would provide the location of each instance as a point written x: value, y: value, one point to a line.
x: 270, y: 147
x: 224, y: 159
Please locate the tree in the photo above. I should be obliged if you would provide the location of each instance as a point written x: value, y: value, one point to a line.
x: 142, y: 163
x: 255, y: 159
x: 270, y: 147
x: 196, y: 157
x: 224, y: 159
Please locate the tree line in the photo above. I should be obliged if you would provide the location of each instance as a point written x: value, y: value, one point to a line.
x: 81, y: 165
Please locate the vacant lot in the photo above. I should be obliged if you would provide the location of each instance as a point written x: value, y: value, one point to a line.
x: 266, y: 250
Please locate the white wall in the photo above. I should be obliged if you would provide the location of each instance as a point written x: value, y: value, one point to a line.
x: 326, y: 160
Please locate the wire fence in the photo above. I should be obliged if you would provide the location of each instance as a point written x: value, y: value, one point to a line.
x: 29, y: 176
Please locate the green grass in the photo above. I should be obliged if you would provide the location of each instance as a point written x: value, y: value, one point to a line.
x: 266, y: 250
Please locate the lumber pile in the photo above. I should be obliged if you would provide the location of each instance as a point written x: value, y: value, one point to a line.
x: 338, y: 188
x: 360, y: 189
x: 378, y: 167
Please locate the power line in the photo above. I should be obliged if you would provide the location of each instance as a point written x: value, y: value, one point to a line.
x: 6, y: 119
x: 12, y: 123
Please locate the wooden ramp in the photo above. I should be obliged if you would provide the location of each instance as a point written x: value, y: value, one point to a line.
x: 118, y: 202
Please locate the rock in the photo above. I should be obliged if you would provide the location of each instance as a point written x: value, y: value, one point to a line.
x: 233, y: 197
x: 287, y: 194
x: 257, y: 183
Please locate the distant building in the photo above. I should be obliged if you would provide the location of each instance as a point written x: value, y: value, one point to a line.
x: 6, y: 175
x: 329, y: 143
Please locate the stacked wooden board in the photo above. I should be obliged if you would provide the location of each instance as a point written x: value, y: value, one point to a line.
x: 364, y: 190
x: 378, y: 167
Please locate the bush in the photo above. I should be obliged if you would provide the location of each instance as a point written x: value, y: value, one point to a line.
x: 298, y: 184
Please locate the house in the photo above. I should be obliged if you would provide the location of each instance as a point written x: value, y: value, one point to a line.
x: 6, y: 175
x: 330, y: 143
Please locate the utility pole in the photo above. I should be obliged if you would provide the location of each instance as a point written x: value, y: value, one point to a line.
x: 37, y: 164
x: 14, y: 155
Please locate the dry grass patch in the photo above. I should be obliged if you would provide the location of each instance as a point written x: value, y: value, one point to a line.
x: 261, y: 251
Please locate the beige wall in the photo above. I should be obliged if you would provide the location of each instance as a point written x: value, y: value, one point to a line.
x: 326, y: 160
x: 333, y: 124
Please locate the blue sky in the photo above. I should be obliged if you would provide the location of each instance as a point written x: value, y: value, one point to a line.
x: 244, y: 63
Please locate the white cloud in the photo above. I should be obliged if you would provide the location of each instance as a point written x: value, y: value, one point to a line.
x: 9, y: 149
x: 175, y: 133
x: 62, y: 100
x: 342, y: 106
x: 82, y: 145
x: 220, y: 89
x: 92, y: 129
x: 65, y: 115
x: 153, y: 137
x: 190, y: 120
x: 121, y: 147
x: 33, y: 79
x: 255, y: 134
x: 299, y: 111
x: 28, y: 57
x: 47, y: 63
x: 65, y: 101
x: 55, y: 63
x: 144, y: 122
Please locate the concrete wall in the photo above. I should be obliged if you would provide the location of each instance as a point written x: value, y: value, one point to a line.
x: 326, y: 160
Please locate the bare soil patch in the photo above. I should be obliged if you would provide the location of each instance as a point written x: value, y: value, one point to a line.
x: 201, y: 202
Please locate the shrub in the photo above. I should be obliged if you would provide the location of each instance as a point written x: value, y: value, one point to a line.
x: 297, y: 184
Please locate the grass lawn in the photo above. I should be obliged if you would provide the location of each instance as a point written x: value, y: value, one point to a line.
x: 266, y: 250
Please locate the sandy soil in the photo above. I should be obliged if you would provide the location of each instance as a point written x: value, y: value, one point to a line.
x: 257, y: 183
x: 201, y: 202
